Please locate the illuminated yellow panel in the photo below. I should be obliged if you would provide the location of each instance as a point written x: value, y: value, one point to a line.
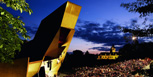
x: 33, y: 68
x: 52, y: 51
x: 54, y: 71
x: 69, y: 38
x: 62, y: 56
x: 70, y: 15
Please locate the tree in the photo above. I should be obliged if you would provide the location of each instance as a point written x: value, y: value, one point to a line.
x: 11, y: 28
x: 87, y: 53
x: 78, y: 52
x: 144, y: 8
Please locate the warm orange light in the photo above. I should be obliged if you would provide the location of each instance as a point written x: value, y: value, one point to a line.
x: 110, y: 57
x: 134, y: 38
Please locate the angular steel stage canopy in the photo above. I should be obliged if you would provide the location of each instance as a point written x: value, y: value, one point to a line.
x: 50, y: 44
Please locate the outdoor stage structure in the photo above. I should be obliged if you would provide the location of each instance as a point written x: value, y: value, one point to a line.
x: 44, y: 55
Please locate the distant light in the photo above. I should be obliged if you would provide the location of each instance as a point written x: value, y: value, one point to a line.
x: 134, y: 38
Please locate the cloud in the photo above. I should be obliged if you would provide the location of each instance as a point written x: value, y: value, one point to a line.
x: 101, y: 48
x: 31, y: 31
x: 107, y: 33
x: 105, y: 48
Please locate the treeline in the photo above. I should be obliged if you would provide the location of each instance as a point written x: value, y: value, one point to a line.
x: 135, y: 51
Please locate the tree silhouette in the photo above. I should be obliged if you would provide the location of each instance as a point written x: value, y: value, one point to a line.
x: 144, y: 8
x: 131, y: 51
x: 87, y: 53
x: 78, y: 52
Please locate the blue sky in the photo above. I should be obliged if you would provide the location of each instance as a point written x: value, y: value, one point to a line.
x: 97, y: 25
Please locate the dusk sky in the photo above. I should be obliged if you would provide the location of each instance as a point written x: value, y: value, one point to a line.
x: 97, y: 27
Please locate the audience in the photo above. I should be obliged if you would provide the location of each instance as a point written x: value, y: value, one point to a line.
x: 120, y: 69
